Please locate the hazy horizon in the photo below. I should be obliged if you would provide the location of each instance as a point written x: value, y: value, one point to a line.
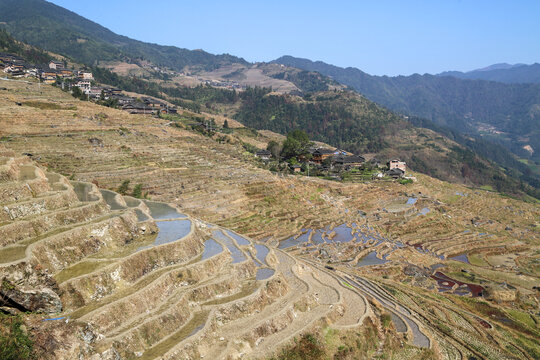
x: 380, y: 38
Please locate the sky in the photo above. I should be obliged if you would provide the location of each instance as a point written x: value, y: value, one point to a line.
x: 380, y: 37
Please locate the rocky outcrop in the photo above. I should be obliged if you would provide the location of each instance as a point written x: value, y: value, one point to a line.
x: 43, y: 300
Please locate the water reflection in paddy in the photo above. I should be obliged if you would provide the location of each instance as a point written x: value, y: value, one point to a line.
x: 236, y: 253
x: 262, y: 252
x: 239, y: 239
x: 211, y: 248
x: 464, y: 258
x: 110, y: 199
x: 140, y: 215
x: 371, y: 259
x: 161, y: 211
x: 411, y: 201
x: 264, y: 273
x: 343, y: 233
x: 172, y: 230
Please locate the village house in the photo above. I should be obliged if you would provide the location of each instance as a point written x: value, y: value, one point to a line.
x: 263, y: 154
x: 348, y: 161
x: 85, y: 75
x: 84, y: 86
x: 395, y: 173
x: 296, y: 168
x: 322, y: 154
x: 138, y: 108
x: 48, y: 76
x: 95, y: 92
x: 122, y: 99
x: 397, y: 164
x: 56, y: 65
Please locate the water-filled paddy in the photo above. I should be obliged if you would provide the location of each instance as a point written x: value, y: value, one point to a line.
x: 264, y: 273
x: 172, y: 230
x: 371, y: 259
x: 239, y: 239
x: 161, y: 211
x: 236, y: 253
x: 111, y: 200
x: 211, y: 248
x: 262, y: 253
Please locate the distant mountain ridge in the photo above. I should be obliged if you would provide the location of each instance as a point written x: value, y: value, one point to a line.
x: 504, y: 113
x: 505, y: 73
x: 53, y: 28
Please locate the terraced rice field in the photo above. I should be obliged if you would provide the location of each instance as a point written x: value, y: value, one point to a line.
x: 227, y: 260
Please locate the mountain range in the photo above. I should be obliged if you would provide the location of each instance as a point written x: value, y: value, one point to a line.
x: 505, y: 73
x: 508, y: 114
x: 479, y: 115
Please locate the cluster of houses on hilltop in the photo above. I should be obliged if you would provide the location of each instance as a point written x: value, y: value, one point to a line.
x: 48, y: 73
x: 327, y: 159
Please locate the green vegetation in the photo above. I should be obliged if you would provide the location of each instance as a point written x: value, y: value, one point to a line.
x: 307, y: 347
x: 15, y: 344
x: 342, y: 119
x: 306, y: 81
x: 123, y: 188
x: 137, y: 191
x: 55, y: 29
x: 47, y: 106
x: 296, y: 145
x: 32, y: 55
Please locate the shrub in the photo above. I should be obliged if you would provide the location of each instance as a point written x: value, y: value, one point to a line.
x: 15, y: 344
x: 137, y: 191
x: 123, y: 188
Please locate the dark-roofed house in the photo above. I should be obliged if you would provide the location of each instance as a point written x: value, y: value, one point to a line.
x: 138, y: 108
x: 320, y: 155
x: 395, y: 173
x: 263, y: 154
x: 349, y: 161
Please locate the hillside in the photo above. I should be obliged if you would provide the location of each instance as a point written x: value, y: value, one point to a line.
x: 87, y: 42
x: 503, y: 113
x: 505, y: 73
x: 313, y: 265
x: 53, y: 28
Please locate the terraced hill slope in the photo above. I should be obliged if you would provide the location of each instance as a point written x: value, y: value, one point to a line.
x: 370, y: 264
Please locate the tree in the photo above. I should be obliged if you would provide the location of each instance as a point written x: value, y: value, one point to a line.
x: 123, y: 189
x: 297, y: 144
x: 137, y: 191
x: 275, y: 148
x: 226, y: 124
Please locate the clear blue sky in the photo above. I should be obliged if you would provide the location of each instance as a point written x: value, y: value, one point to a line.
x: 382, y: 37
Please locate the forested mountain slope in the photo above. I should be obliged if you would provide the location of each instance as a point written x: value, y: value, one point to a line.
x: 53, y: 28
x: 503, y: 113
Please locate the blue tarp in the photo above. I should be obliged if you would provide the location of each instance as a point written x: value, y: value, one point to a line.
x: 58, y: 318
